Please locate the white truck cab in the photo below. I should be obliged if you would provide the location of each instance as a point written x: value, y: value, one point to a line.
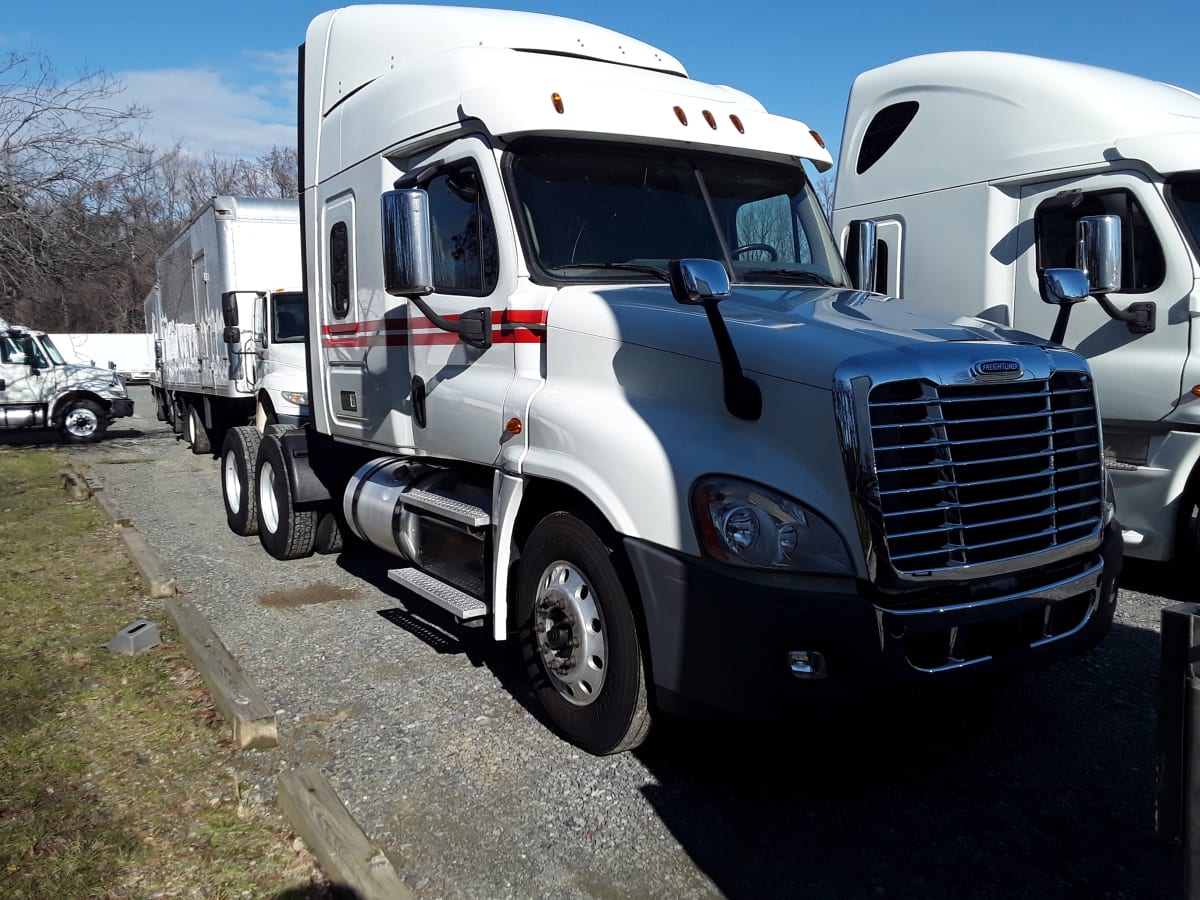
x: 41, y: 390
x: 982, y: 170
x: 584, y: 358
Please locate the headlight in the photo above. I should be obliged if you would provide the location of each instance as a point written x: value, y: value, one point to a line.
x: 300, y: 399
x: 749, y: 525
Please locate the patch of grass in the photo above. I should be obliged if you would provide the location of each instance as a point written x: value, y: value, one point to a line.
x: 116, y: 777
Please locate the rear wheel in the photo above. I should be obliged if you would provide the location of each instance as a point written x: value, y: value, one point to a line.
x: 238, y: 456
x: 580, y: 638
x: 84, y: 422
x: 195, y: 432
x: 285, y: 532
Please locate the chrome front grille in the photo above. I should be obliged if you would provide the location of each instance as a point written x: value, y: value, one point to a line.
x: 977, y: 473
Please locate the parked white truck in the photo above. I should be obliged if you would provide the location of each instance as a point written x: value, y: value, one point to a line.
x: 228, y: 321
x: 981, y: 170
x: 40, y: 390
x: 584, y: 356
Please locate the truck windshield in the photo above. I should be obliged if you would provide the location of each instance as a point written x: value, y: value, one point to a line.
x: 620, y: 213
x: 1184, y: 191
x: 51, y: 351
x: 289, y: 326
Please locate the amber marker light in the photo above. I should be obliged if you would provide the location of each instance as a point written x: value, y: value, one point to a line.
x: 556, y: 99
x: 1196, y: 390
x: 710, y: 119
x: 817, y: 137
x: 681, y: 115
x: 513, y: 426
x: 737, y: 123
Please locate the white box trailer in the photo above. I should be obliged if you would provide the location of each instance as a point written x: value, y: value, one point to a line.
x: 228, y: 321
x: 979, y: 169
x: 586, y: 361
x: 131, y: 354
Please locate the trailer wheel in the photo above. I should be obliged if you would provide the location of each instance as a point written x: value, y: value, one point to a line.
x: 160, y: 408
x: 580, y: 638
x: 175, y: 412
x: 83, y: 422
x: 195, y: 432
x: 238, y: 455
x: 285, y: 532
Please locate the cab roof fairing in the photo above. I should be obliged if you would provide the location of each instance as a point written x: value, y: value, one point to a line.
x: 990, y: 116
x: 353, y: 46
x: 509, y: 93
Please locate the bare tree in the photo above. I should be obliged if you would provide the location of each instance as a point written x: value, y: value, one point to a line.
x: 824, y: 186
x: 64, y: 150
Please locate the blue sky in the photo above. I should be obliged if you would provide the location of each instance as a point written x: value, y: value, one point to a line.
x: 221, y: 75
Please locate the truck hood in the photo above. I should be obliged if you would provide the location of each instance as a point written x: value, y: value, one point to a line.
x: 799, y: 334
x: 90, y: 378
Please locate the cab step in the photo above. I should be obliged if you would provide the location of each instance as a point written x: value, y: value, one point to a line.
x: 447, y: 507
x: 460, y: 605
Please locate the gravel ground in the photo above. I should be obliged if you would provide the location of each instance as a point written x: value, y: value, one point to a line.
x: 1040, y: 788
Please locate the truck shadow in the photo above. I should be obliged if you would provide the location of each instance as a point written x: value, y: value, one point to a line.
x: 1040, y: 787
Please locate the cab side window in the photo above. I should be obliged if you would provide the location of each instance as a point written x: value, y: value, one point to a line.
x: 465, y: 254
x: 1142, y: 265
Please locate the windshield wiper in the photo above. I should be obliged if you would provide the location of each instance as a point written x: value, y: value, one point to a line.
x: 800, y: 275
x: 661, y: 274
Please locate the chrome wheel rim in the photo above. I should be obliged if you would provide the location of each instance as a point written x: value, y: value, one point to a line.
x: 569, y: 630
x: 82, y: 422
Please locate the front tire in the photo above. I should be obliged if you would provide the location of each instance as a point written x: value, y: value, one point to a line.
x: 580, y: 638
x: 285, y: 532
x: 84, y: 422
x: 238, y: 456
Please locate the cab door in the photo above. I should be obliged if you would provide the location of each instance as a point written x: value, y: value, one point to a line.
x: 25, y: 375
x: 458, y: 391
x: 1138, y: 375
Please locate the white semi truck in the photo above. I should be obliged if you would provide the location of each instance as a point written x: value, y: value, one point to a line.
x: 229, y: 322
x: 584, y: 358
x: 981, y: 170
x: 40, y: 390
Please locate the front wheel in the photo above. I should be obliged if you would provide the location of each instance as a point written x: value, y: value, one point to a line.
x: 285, y: 532
x: 580, y: 638
x: 84, y: 422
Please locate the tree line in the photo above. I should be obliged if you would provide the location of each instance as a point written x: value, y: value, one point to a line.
x: 87, y: 205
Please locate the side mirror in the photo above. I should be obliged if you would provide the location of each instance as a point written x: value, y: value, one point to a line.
x: 862, y: 254
x: 1063, y: 287
x: 696, y: 281
x: 232, y: 335
x: 229, y: 311
x: 1098, y: 253
x: 407, y: 246
x: 112, y: 365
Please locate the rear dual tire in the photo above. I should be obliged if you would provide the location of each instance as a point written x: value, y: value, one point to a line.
x: 238, y: 457
x: 285, y: 532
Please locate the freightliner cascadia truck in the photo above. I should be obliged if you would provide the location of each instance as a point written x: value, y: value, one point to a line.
x: 584, y: 358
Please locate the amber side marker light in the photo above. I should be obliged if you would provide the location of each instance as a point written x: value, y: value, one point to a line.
x: 681, y: 115
x: 556, y: 99
x: 737, y: 123
x: 513, y: 426
x: 1196, y: 390
x: 710, y: 119
x: 817, y: 137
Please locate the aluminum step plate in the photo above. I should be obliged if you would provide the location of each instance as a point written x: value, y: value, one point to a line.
x: 448, y: 597
x: 445, y: 506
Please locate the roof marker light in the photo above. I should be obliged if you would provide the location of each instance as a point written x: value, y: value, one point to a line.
x: 816, y: 136
x: 737, y: 123
x: 710, y: 119
x: 556, y: 99
x: 681, y: 115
